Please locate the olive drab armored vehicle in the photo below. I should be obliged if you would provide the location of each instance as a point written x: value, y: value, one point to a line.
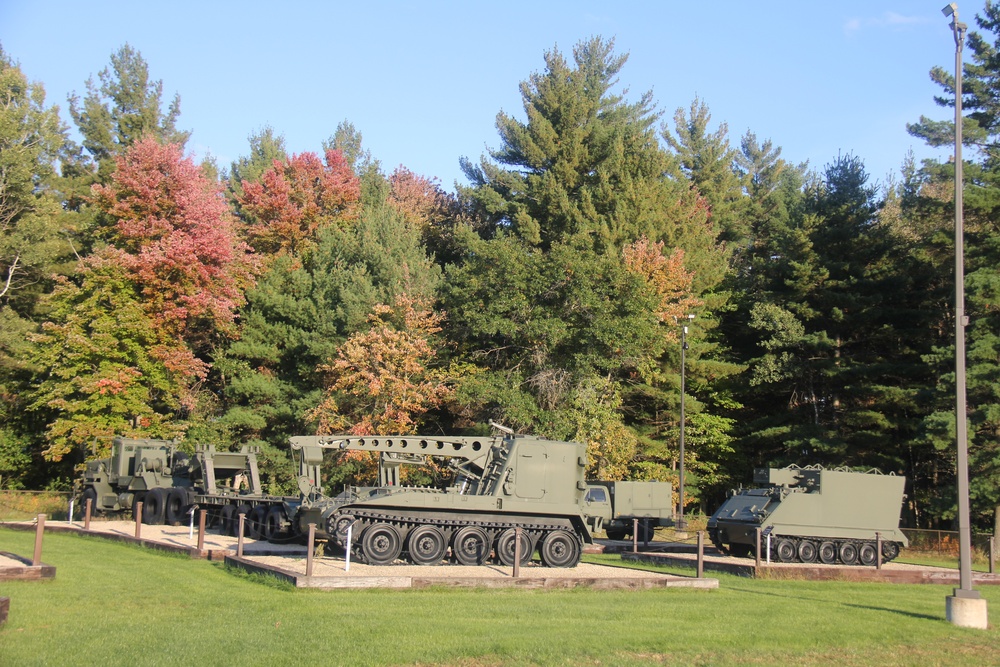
x: 812, y: 514
x: 169, y: 483
x: 504, y: 486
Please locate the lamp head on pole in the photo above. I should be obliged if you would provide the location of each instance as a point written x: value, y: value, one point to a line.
x: 951, y: 9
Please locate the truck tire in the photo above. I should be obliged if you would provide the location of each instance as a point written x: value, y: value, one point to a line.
x: 615, y: 533
x: 154, y: 506
x: 646, y: 531
x: 176, y: 504
x: 255, y: 522
x: 226, y: 515
x: 90, y: 493
x: 274, y: 523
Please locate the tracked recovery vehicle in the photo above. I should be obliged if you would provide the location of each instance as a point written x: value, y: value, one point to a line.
x: 505, y: 485
x: 812, y: 514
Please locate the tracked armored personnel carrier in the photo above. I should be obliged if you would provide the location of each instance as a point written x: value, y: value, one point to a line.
x: 812, y: 514
x: 505, y: 485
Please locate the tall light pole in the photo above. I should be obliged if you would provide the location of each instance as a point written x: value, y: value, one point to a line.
x: 684, y: 346
x: 964, y: 607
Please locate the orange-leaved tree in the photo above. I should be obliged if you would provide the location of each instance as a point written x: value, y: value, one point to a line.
x: 383, y: 380
x: 296, y: 198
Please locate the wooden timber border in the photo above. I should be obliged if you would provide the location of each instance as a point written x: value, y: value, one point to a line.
x: 746, y: 567
x: 300, y: 580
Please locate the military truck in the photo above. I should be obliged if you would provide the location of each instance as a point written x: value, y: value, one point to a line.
x: 811, y: 514
x: 505, y: 485
x: 169, y: 483
x: 613, y: 506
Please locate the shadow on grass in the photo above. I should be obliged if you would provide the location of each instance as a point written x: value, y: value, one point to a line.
x: 786, y: 596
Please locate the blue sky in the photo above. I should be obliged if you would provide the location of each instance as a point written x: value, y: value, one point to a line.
x: 423, y: 82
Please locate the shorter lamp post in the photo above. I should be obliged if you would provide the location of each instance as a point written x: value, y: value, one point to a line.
x: 681, y: 523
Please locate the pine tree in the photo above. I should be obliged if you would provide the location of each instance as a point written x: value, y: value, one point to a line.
x: 123, y: 109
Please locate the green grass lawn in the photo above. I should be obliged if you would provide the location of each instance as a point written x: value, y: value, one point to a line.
x: 116, y: 604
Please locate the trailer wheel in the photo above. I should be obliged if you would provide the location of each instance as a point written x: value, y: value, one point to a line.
x: 274, y: 523
x: 255, y: 522
x: 153, y: 507
x: 244, y: 509
x: 176, y: 502
x: 226, y: 520
x: 560, y: 548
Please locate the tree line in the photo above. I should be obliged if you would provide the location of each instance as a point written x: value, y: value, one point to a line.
x: 145, y: 295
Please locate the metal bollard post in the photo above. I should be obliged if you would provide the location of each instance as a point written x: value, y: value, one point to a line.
x: 700, y: 570
x: 312, y: 546
x: 71, y: 510
x: 239, y: 542
x: 39, y: 532
x: 88, y: 508
x: 202, y: 516
x: 757, y: 550
x: 878, y: 549
x: 993, y: 551
x: 635, y: 536
x: 138, y: 520
x: 517, y: 552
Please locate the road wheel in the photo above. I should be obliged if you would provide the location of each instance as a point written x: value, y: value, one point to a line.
x: 506, y: 543
x: 890, y: 550
x: 426, y: 545
x: 470, y: 546
x: 867, y: 554
x: 560, y: 548
x: 380, y: 544
x: 153, y: 507
x: 848, y: 553
x: 827, y: 553
x: 784, y: 549
x: 176, y: 503
x: 807, y: 551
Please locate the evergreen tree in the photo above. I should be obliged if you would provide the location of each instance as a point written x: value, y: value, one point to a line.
x: 932, y: 216
x: 708, y: 161
x: 123, y: 109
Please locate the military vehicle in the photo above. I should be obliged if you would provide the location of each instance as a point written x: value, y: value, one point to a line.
x: 812, y: 514
x: 504, y: 486
x: 169, y: 483
x: 613, y: 506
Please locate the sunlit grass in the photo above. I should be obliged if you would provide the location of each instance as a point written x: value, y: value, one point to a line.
x: 114, y: 604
